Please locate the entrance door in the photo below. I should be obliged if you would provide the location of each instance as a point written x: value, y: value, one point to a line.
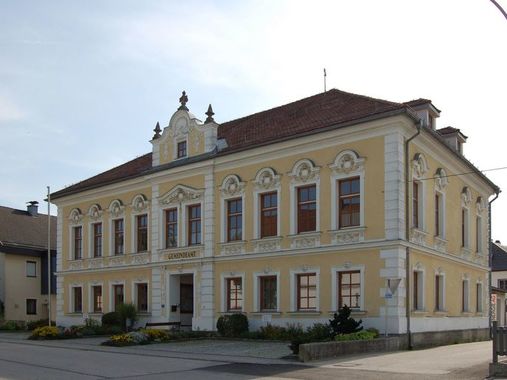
x: 186, y: 300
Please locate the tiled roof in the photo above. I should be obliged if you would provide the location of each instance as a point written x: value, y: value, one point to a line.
x: 499, y: 259
x: 417, y: 102
x: 449, y: 131
x: 19, y: 229
x: 328, y: 110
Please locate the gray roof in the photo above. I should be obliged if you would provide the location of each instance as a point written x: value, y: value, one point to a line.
x: 499, y: 259
x: 19, y: 229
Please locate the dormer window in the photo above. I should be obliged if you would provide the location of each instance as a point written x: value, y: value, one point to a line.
x: 182, y: 149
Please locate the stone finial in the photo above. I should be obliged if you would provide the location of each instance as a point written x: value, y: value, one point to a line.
x: 210, y: 114
x: 157, y: 131
x: 183, y: 101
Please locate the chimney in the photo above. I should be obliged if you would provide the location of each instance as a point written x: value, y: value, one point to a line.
x: 32, y: 208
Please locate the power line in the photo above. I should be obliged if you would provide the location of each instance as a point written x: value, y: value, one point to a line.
x: 460, y: 174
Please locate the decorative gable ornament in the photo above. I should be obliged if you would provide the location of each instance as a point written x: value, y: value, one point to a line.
x: 480, y: 205
x: 419, y: 165
x: 347, y: 161
x: 95, y: 211
x: 75, y: 216
x: 116, y: 208
x: 304, y: 170
x: 266, y: 179
x: 466, y: 197
x: 441, y: 180
x: 180, y: 194
x: 232, y: 186
x: 140, y: 203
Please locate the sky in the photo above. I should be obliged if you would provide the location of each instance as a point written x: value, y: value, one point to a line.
x: 82, y: 84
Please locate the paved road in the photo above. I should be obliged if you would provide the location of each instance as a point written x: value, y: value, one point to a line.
x: 85, y: 359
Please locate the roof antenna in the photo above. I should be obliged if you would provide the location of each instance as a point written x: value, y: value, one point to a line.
x: 325, y: 75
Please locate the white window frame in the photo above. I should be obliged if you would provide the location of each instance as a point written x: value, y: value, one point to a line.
x: 133, y: 239
x: 421, y: 291
x: 441, y: 215
x: 257, y: 207
x: 135, y: 294
x: 90, y: 297
x: 71, y: 241
x: 335, y: 287
x: 184, y: 222
x: 177, y: 140
x: 421, y: 201
x: 479, y: 234
x: 466, y: 229
x: 111, y: 293
x: 442, y: 296
x: 257, y: 285
x: 91, y: 238
x: 294, y: 291
x: 335, y: 193
x: 223, y: 290
x: 111, y: 237
x: 35, y: 268
x: 71, y: 299
x: 162, y: 224
x: 294, y: 206
x: 223, y: 217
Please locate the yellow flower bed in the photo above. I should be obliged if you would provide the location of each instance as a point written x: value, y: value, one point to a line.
x: 121, y: 339
x: 156, y: 334
x: 45, y: 332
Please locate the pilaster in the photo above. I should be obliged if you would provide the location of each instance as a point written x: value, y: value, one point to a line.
x: 394, y: 189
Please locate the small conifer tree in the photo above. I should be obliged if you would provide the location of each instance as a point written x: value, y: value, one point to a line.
x: 343, y: 323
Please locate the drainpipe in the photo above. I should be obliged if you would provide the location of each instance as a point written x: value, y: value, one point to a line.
x: 407, y: 235
x: 490, y: 262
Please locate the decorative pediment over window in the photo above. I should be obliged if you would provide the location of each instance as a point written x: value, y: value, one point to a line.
x: 140, y: 203
x: 232, y: 185
x: 480, y: 205
x: 75, y: 216
x: 419, y: 165
x: 441, y: 180
x: 95, y: 211
x: 466, y: 197
x: 304, y: 170
x: 418, y: 266
x: 180, y: 194
x: 116, y: 208
x: 267, y: 179
x: 347, y: 161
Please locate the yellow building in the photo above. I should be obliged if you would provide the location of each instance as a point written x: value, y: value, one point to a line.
x: 285, y: 215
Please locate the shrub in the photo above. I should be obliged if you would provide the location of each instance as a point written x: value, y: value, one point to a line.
x: 232, y: 325
x: 319, y: 332
x: 273, y: 332
x: 156, y: 334
x: 343, y: 323
x: 127, y: 312
x: 46, y: 332
x: 111, y: 319
x: 11, y: 326
x: 361, y: 335
x: 39, y: 323
x: 373, y: 331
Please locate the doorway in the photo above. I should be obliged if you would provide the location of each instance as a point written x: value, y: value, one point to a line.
x: 181, y: 299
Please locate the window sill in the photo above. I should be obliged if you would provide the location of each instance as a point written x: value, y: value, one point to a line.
x: 231, y: 312
x: 441, y: 313
x: 306, y: 233
x: 420, y: 312
x: 267, y: 238
x: 303, y: 312
x: 467, y: 313
x: 265, y: 312
x: 352, y: 312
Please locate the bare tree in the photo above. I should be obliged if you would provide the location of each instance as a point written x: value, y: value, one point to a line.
x: 500, y: 8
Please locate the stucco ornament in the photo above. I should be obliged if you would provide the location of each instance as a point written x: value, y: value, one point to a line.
x: 419, y: 165
x: 116, y: 208
x: 347, y: 161
x: 232, y: 185
x: 95, y: 211
x: 140, y: 203
x: 179, y: 194
x: 75, y: 216
x: 267, y: 179
x: 441, y: 180
x: 480, y: 205
x: 304, y: 170
x: 466, y: 197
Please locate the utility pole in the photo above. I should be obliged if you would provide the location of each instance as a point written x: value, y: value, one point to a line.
x: 49, y: 257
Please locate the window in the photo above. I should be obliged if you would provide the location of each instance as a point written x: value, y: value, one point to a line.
x: 464, y: 228
x: 478, y: 234
x: 182, y: 149
x: 479, y: 297
x: 234, y: 219
x: 31, y: 306
x: 234, y: 294
x: 418, y: 290
x: 97, y: 239
x: 502, y: 284
x: 118, y: 297
x: 415, y: 204
x: 171, y: 228
x: 268, y: 290
x: 269, y: 214
x: 77, y: 295
x: 349, y: 289
x: 142, y: 297
x: 307, y: 291
x: 349, y: 202
x: 439, y: 292
x: 142, y: 233
x: 31, y: 269
x: 97, y: 298
x: 465, y: 296
x: 118, y: 236
x: 438, y: 215
x: 194, y: 225
x: 78, y: 240
x: 307, y: 208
